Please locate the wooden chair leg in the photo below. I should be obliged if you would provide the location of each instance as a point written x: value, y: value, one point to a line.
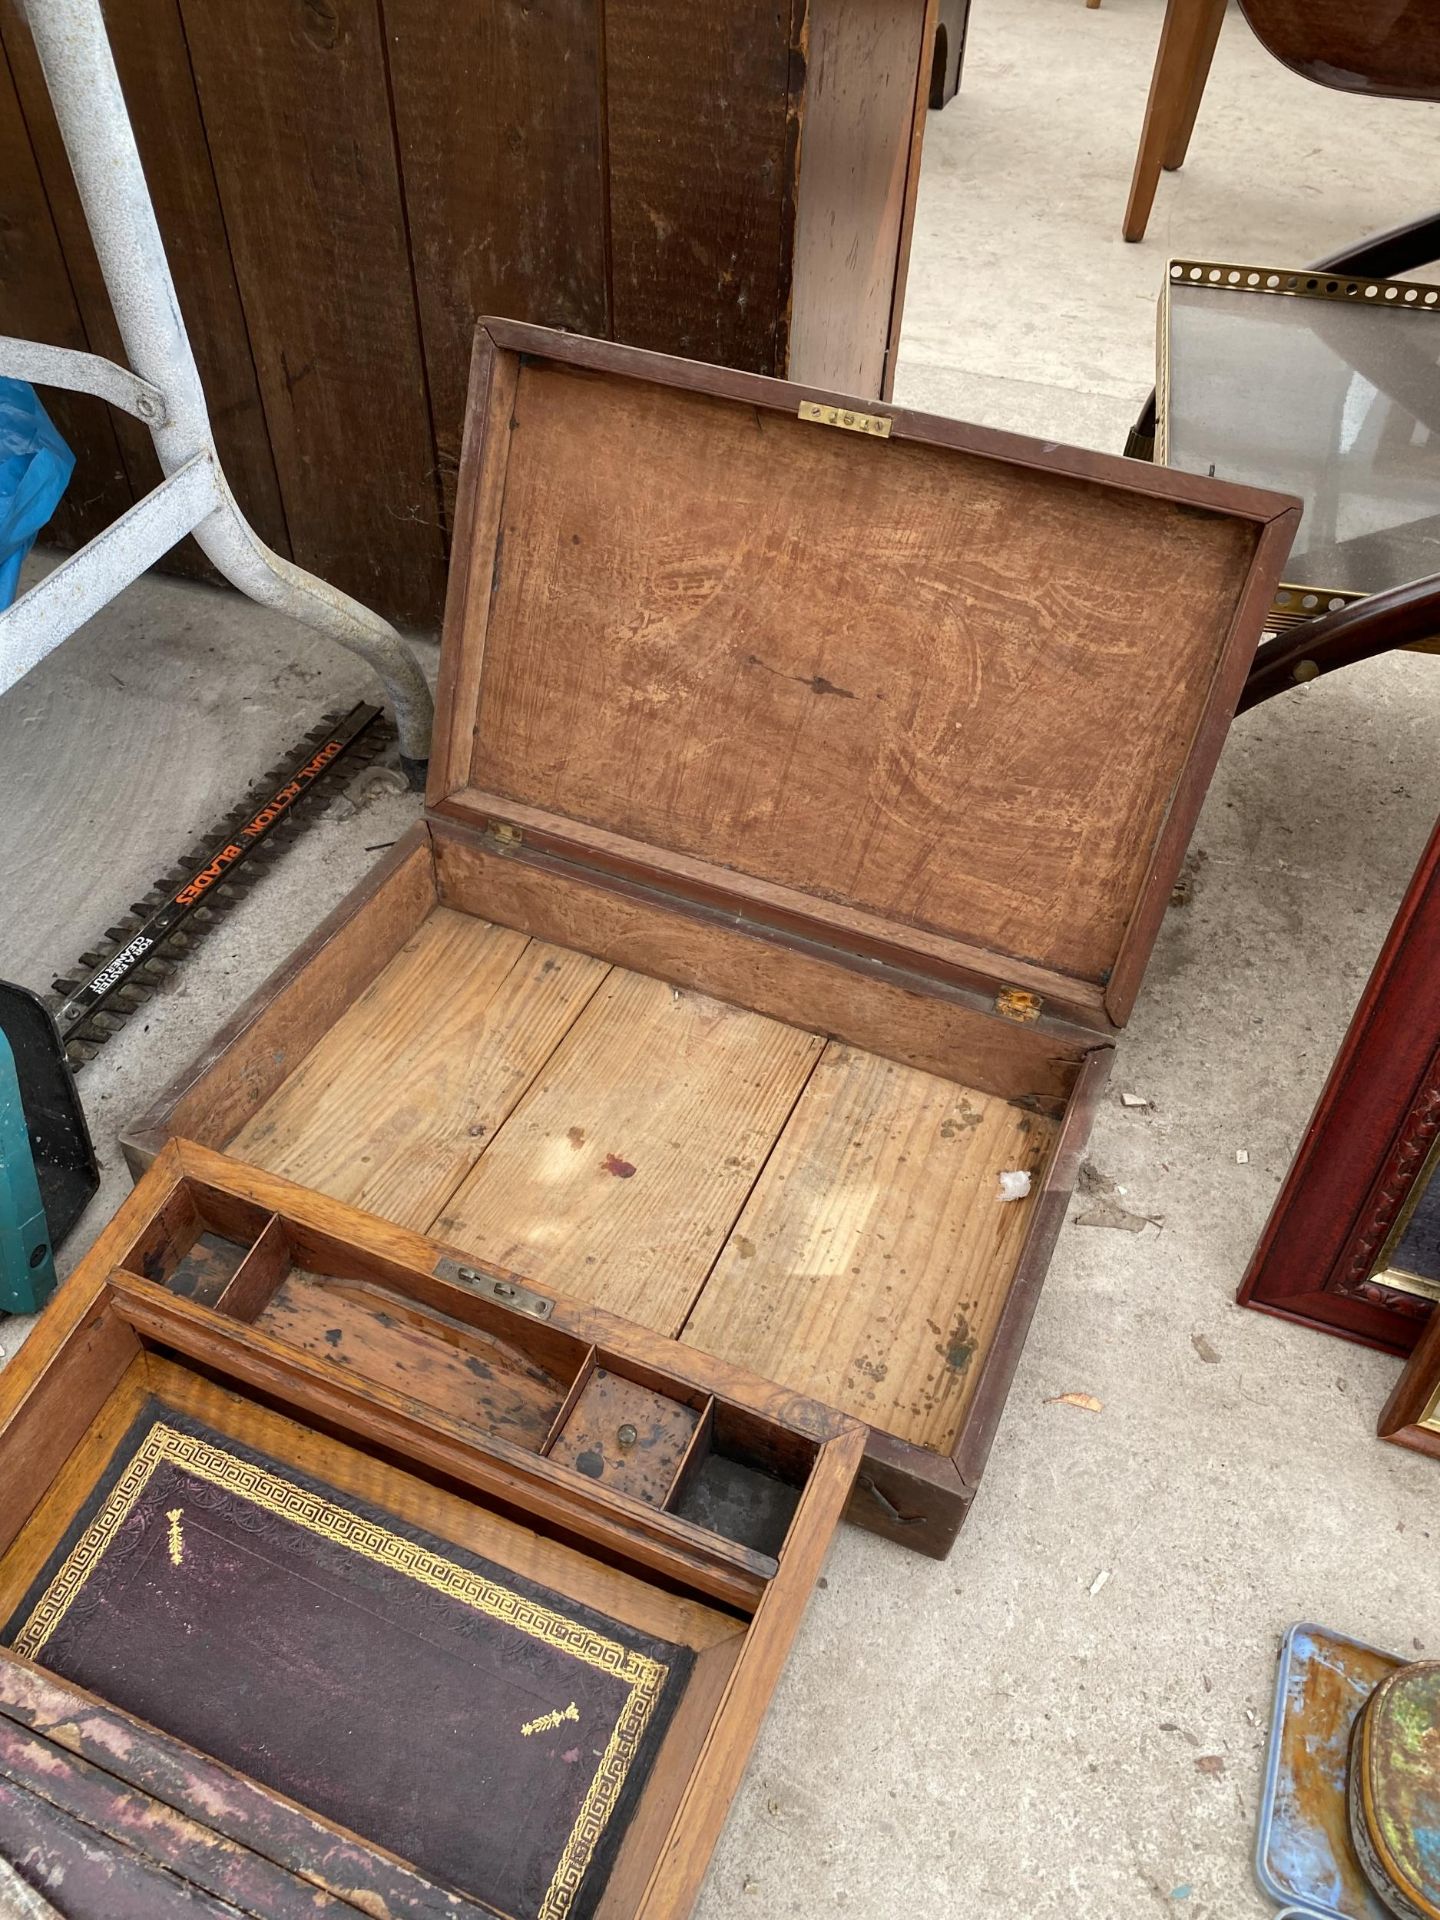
x: 1207, y: 33
x: 1186, y: 23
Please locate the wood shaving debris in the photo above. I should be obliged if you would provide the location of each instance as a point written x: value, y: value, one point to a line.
x: 1085, y: 1400
x: 1098, y: 1582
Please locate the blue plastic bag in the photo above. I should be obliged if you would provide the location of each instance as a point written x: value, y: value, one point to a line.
x: 35, y: 468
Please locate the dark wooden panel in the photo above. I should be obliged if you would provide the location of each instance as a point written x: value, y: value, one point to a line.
x: 37, y: 302
x: 188, y: 1785
x: 154, y: 67
x: 703, y: 126
x: 502, y: 151
x: 297, y: 112
x: 865, y: 89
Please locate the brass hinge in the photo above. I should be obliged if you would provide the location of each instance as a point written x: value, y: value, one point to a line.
x: 498, y: 1287
x: 1016, y: 1004
x: 853, y: 422
x: 504, y: 834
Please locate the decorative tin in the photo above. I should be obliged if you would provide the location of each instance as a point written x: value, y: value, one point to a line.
x: 1394, y: 1796
x: 1303, y: 1858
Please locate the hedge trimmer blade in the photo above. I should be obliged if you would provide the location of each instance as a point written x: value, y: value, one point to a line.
x: 119, y: 973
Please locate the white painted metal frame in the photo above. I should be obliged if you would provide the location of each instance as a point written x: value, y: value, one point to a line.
x: 161, y: 386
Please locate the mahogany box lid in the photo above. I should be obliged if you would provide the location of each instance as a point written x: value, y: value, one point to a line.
x: 926, y: 691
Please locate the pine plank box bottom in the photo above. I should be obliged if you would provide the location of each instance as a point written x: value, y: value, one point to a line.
x: 808, y: 789
x: 338, y: 1576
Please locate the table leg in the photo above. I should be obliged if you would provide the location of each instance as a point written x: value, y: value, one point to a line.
x: 1187, y: 42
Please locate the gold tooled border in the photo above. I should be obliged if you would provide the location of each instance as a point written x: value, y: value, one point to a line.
x: 373, y: 1542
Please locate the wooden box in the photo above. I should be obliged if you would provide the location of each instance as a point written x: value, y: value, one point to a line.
x: 804, y: 806
x: 498, y: 1587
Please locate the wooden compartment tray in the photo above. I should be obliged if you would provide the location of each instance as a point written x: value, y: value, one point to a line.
x: 804, y: 806
x: 496, y: 1586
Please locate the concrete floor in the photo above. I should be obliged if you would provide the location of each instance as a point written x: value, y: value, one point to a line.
x: 1003, y: 1734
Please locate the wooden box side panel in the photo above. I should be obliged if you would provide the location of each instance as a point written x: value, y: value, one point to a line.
x: 674, y: 1882
x: 864, y: 117
x: 279, y: 1024
x: 1368, y: 1135
x: 919, y: 1023
x: 1045, y: 1223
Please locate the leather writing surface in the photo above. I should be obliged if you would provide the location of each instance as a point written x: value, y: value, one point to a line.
x: 484, y: 1728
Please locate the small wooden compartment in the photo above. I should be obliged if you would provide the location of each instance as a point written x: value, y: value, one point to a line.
x: 804, y: 805
x: 494, y: 1589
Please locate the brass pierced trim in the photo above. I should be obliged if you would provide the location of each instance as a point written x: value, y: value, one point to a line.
x: 303, y: 1508
x: 1303, y: 283
x: 1296, y: 605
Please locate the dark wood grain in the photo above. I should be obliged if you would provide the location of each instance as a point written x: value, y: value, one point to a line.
x: 501, y: 144
x: 343, y: 186
x: 152, y: 59
x: 126, y: 1825
x: 563, y: 531
x: 37, y: 302
x: 1377, y: 1112
x: 297, y: 115
x: 1357, y: 46
x: 471, y: 1375
x: 334, y: 1866
x: 696, y: 269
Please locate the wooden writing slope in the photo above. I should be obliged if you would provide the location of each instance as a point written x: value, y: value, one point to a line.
x: 495, y: 1589
x: 809, y: 787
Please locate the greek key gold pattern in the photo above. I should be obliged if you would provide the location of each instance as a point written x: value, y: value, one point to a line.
x: 243, y: 1478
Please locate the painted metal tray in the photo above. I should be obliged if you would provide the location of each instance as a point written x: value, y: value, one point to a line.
x: 1303, y: 1857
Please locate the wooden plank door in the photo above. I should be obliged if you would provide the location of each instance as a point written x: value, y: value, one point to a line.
x: 37, y: 302
x: 154, y: 67
x: 502, y: 150
x: 296, y: 108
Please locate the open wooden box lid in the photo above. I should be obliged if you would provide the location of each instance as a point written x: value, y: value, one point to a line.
x: 948, y: 697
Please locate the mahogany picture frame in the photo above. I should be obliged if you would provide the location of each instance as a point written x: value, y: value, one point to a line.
x: 1367, y: 1143
x: 1409, y: 1417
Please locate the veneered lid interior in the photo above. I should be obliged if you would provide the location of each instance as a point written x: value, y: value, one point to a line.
x: 953, y: 689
